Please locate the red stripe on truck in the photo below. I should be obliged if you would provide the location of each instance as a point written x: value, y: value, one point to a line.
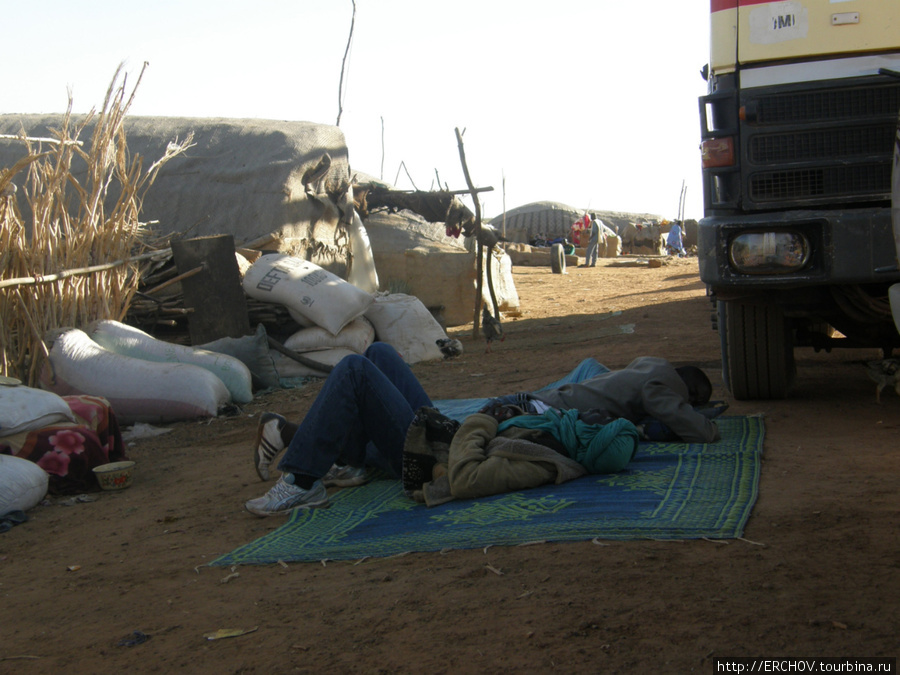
x: 720, y: 5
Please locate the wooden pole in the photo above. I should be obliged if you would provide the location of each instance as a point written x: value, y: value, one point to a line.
x: 174, y: 280
x: 30, y: 281
x: 37, y: 139
x: 504, y: 205
x: 479, y: 284
x: 299, y: 358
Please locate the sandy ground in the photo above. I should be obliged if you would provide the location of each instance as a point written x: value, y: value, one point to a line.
x: 815, y: 575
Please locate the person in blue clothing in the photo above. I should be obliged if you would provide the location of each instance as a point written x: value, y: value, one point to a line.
x: 674, y: 240
x: 360, y: 417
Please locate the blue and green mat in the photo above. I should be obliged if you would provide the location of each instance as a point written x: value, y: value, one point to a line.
x: 669, y: 491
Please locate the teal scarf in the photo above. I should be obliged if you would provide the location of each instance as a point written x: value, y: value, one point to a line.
x: 600, y: 448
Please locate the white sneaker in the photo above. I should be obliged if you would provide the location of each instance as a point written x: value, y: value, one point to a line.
x: 283, y: 498
x: 345, y: 476
x: 268, y: 442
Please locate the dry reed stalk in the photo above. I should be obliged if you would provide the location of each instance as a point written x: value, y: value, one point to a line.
x: 85, y: 202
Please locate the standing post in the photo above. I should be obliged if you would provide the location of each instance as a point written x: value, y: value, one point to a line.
x: 479, y: 284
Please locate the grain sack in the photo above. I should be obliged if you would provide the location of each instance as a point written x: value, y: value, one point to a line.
x: 356, y: 336
x: 137, y: 390
x: 253, y: 352
x: 405, y: 323
x: 502, y: 279
x: 22, y: 484
x: 26, y: 409
x: 129, y: 341
x: 305, y: 288
x: 362, y: 274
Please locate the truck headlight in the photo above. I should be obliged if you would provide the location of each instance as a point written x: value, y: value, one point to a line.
x: 769, y: 252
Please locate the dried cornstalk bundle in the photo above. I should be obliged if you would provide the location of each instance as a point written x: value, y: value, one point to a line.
x: 72, y: 263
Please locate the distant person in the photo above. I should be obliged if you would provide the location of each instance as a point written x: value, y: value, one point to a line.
x: 590, y: 259
x: 674, y: 242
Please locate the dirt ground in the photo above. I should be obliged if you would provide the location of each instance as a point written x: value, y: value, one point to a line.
x: 816, y: 574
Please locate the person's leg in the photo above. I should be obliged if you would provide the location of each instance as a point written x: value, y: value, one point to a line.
x: 591, y: 257
x: 364, y: 410
x: 371, y: 398
x: 389, y: 362
x: 273, y: 434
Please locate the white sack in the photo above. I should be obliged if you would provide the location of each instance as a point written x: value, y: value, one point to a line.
x: 405, y: 323
x: 22, y: 484
x: 26, y: 409
x: 307, y: 289
x: 356, y: 336
x: 289, y: 368
x: 301, y: 320
x: 362, y: 274
x: 137, y: 390
x: 504, y: 286
x: 129, y: 341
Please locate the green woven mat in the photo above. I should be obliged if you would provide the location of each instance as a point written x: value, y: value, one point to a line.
x: 669, y: 491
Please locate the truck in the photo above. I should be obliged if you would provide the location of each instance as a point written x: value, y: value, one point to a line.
x: 795, y: 246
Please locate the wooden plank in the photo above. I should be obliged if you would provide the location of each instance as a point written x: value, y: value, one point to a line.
x: 215, y: 295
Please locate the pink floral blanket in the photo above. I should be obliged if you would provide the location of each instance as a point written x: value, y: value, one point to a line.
x: 69, y: 451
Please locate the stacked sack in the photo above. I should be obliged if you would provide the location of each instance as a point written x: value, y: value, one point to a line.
x: 153, y: 381
x: 144, y: 379
x: 337, y: 317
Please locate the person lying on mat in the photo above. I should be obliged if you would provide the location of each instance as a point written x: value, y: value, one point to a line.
x: 364, y: 414
x: 667, y: 401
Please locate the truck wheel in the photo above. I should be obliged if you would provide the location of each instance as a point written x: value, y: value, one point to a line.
x: 557, y: 259
x: 757, y: 350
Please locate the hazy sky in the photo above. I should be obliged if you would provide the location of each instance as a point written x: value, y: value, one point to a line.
x: 592, y: 103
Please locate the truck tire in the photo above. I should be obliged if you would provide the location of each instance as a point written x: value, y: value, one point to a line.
x: 557, y: 259
x: 757, y: 350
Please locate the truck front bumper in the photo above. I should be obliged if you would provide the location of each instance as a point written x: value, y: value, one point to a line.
x: 844, y: 247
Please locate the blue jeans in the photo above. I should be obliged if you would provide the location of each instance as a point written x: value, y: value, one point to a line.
x: 593, y: 250
x: 360, y: 416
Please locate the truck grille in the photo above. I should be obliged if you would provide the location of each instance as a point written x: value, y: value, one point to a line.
x: 819, y: 146
x: 835, y: 104
x: 856, y: 181
x: 805, y: 146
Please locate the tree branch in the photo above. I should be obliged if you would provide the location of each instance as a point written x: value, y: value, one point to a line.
x: 343, y: 66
